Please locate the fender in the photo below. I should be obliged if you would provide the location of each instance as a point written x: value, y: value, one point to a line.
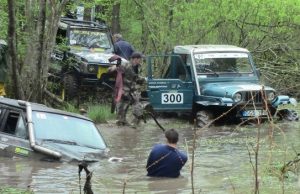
x: 284, y: 100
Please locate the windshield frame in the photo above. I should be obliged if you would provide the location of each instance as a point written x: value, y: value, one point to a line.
x: 84, y: 133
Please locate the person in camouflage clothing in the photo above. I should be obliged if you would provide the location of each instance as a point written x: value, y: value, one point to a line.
x: 3, y: 67
x: 126, y: 91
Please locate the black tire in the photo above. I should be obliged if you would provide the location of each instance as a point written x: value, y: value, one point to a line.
x: 71, y: 86
x: 288, y: 115
x: 204, y: 118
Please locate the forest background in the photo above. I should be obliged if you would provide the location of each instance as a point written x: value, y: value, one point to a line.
x: 268, y: 28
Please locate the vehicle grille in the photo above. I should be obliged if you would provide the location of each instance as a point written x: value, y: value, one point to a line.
x: 253, y: 96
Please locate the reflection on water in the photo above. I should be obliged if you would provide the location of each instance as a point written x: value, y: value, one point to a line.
x: 222, y: 163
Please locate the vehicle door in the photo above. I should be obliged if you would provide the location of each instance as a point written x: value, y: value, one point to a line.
x: 14, y: 138
x: 169, y: 85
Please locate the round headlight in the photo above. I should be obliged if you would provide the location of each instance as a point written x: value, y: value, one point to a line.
x: 91, y: 68
x: 271, y: 96
x: 237, y: 97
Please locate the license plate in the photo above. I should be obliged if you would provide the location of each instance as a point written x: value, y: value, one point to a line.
x: 253, y: 113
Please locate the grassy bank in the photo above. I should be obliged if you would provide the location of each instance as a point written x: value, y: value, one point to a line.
x: 99, y: 113
x: 9, y: 190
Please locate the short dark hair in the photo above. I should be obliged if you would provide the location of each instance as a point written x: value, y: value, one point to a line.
x: 172, y: 136
x: 136, y: 55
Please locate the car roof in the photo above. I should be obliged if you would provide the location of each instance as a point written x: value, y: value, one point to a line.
x: 39, y: 107
x: 188, y: 49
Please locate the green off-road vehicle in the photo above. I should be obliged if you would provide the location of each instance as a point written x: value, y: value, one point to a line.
x: 212, y: 82
x: 81, y: 56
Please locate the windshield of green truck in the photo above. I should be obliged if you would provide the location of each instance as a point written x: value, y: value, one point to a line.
x: 90, y: 39
x: 229, y: 62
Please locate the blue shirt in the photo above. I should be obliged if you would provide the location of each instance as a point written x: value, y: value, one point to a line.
x: 165, y: 161
x: 123, y: 49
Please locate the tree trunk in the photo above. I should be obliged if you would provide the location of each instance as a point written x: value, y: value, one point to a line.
x: 115, y: 26
x: 37, y: 37
x: 12, y: 51
x: 40, y: 69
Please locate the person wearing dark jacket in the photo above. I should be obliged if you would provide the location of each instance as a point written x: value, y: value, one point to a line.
x: 122, y: 48
x: 165, y: 160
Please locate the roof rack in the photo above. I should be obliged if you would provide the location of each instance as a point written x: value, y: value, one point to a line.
x: 82, y: 23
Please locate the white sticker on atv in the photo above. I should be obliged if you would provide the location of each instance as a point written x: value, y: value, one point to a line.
x: 172, y: 98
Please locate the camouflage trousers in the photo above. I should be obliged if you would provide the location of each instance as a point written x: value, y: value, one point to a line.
x: 2, y: 89
x: 123, y: 106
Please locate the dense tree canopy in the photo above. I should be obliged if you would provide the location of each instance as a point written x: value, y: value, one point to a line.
x: 268, y: 28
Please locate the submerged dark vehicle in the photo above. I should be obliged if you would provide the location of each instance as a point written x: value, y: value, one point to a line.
x: 36, y: 131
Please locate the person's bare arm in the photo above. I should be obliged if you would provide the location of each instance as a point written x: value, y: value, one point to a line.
x: 112, y: 69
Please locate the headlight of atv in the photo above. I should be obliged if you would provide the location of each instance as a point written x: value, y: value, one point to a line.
x: 271, y: 96
x: 92, y: 69
x: 237, y: 97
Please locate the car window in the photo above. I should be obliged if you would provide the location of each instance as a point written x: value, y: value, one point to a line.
x: 95, y: 39
x: 11, y: 122
x: 223, y: 63
x: 21, y: 130
x: 14, y: 124
x: 66, y: 128
x: 169, y: 67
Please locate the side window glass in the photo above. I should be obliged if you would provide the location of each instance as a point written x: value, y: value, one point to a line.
x: 21, y: 130
x: 160, y: 67
x: 179, y: 67
x: 11, y: 122
x: 169, y: 67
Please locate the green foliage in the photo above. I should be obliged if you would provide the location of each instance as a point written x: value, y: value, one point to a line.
x: 70, y: 108
x: 267, y: 28
x: 100, y: 113
x: 3, y: 19
x: 9, y: 190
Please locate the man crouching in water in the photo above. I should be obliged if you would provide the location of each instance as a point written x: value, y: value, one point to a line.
x: 165, y: 160
x: 126, y: 92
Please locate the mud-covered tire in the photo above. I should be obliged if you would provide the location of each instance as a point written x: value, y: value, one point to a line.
x: 288, y: 115
x: 70, y: 87
x: 204, y: 118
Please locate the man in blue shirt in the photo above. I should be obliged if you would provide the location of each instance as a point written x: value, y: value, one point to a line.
x: 122, y: 47
x: 165, y: 160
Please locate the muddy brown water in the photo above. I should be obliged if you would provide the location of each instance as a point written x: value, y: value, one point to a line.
x: 222, y: 162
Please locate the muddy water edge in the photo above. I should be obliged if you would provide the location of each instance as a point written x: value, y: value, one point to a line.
x: 224, y: 161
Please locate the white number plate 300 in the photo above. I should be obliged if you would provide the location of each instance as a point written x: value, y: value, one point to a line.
x: 172, y: 98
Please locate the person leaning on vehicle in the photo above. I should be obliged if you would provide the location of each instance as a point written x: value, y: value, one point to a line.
x: 126, y: 91
x: 3, y: 67
x: 122, y: 48
x: 165, y: 160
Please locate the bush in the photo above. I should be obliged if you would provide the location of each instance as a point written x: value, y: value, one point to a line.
x: 99, y: 113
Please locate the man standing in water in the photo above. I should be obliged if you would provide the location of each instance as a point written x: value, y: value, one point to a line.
x: 165, y: 160
x: 126, y: 91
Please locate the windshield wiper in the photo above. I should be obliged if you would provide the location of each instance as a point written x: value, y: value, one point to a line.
x: 60, y: 141
x: 92, y: 147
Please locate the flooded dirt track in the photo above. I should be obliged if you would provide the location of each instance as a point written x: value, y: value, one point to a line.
x: 222, y: 163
